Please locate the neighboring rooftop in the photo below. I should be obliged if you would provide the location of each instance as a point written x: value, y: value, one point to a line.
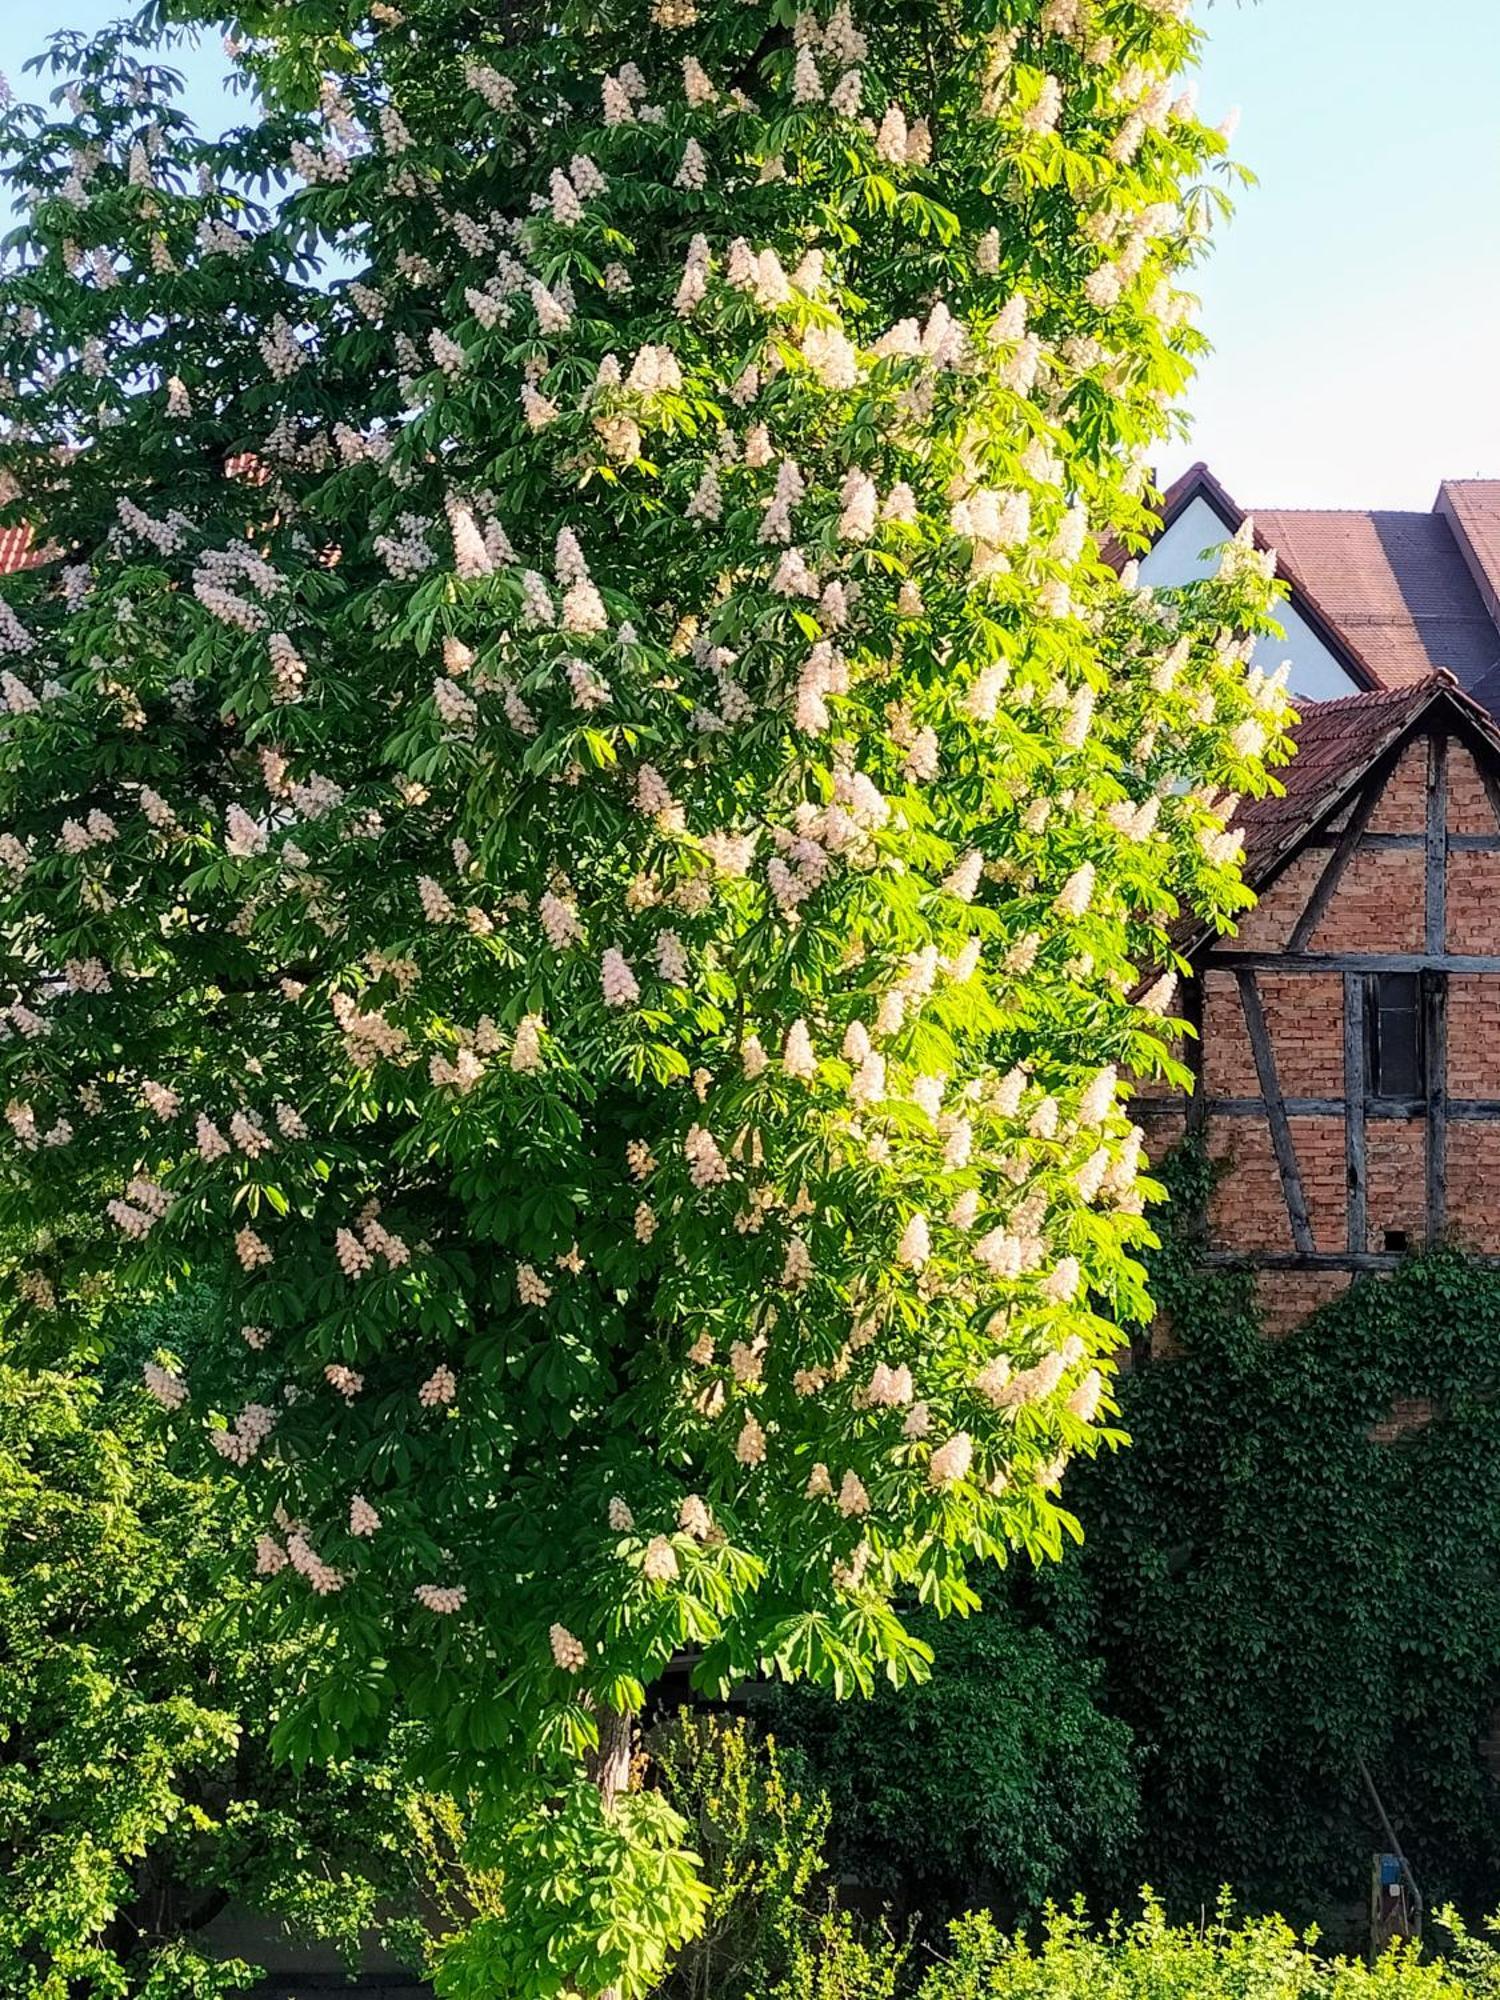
x: 1377, y: 599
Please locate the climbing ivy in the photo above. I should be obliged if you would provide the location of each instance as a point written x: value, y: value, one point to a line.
x: 1279, y: 1589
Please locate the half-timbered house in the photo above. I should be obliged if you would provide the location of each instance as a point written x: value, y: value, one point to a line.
x: 1347, y: 1066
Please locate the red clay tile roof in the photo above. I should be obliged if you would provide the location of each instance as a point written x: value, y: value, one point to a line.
x: 1337, y: 742
x: 16, y: 551
x: 1395, y: 584
x: 1472, y: 509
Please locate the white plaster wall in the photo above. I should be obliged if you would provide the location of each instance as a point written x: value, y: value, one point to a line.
x: 1178, y: 558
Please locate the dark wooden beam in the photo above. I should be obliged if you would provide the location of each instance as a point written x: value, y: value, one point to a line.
x: 1413, y: 843
x: 1391, y: 1110
x: 1192, y: 1012
x: 1276, y: 1118
x: 1435, y: 987
x: 1295, y: 1107
x: 1354, y: 1113
x: 1285, y: 1260
x: 1376, y: 843
x: 1436, y: 842
x: 1435, y: 1053
x: 1323, y: 890
x: 1352, y: 961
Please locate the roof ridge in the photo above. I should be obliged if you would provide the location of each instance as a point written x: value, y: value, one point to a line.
x: 1365, y: 513
x: 1377, y: 696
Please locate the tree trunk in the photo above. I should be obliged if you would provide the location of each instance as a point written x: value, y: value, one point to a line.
x: 609, y: 1767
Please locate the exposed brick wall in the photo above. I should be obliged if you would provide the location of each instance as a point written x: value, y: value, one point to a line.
x: 1163, y: 1126
x: 1319, y: 1146
x: 1379, y: 905
x: 1402, y: 806
x: 1473, y: 902
x: 1473, y: 1034
x: 1246, y: 1209
x: 1406, y: 1416
x: 1268, y: 926
x: 1165, y: 1345
x: 1469, y: 808
x: 1228, y: 1060
x: 1395, y: 1181
x: 1305, y: 1018
x: 1474, y: 1186
x: 1285, y: 1298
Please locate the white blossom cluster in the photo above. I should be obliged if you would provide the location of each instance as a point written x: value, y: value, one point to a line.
x: 627, y: 869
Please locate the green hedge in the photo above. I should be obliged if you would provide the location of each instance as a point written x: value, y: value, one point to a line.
x: 1261, y: 1959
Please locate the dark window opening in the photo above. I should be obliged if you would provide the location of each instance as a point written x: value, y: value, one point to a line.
x: 1395, y: 1239
x: 1395, y: 1051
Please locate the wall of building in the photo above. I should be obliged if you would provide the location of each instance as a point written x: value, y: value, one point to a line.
x: 1380, y: 907
x: 1178, y: 557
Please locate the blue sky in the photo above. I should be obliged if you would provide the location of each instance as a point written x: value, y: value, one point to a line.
x: 1354, y: 302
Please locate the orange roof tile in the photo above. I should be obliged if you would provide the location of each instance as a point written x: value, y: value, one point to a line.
x: 16, y: 551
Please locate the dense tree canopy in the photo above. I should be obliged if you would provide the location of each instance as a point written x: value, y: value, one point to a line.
x: 587, y: 836
x: 137, y: 1794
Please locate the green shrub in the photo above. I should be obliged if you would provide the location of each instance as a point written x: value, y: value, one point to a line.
x: 998, y: 1781
x: 838, y: 1959
x: 761, y: 1840
x: 1260, y: 1959
x: 136, y: 1795
x: 1150, y: 1959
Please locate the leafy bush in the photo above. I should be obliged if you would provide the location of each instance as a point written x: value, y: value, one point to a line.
x: 999, y: 1780
x: 840, y: 1960
x: 761, y: 1840
x: 136, y: 1797
x: 1258, y: 1959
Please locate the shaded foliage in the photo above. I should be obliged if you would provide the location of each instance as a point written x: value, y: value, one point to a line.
x: 137, y: 1796
x: 999, y: 1780
x: 1279, y: 1592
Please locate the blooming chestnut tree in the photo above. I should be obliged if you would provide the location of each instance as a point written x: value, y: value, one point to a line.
x: 589, y: 837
